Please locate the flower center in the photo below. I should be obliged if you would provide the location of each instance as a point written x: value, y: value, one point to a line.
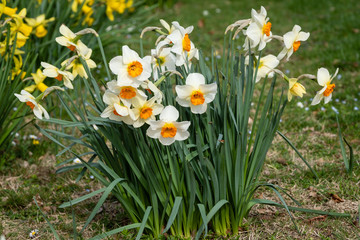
x: 160, y: 61
x: 42, y: 87
x: 59, y: 77
x: 168, y: 130
x: 296, y: 45
x: 197, y: 97
x: 266, y: 29
x: 134, y: 69
x: 30, y: 104
x: 329, y: 89
x: 71, y: 47
x: 145, y: 112
x: 127, y: 92
x: 116, y: 113
x: 297, y: 90
x: 186, y: 43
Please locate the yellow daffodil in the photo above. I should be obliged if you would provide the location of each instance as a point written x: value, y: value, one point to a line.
x: 6, y: 10
x: 39, y: 78
x: 167, y: 130
x: 17, y: 68
x: 196, y: 94
x: 295, y: 89
x: 19, y: 25
x: 324, y: 79
x: 39, y: 23
x: 32, y: 102
x: 118, y: 6
x: 3, y: 49
x: 77, y: 67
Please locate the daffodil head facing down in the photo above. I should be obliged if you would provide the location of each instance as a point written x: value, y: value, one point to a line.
x: 31, y: 101
x: 196, y: 94
x: 167, y: 130
x: 295, y: 89
x: 324, y: 79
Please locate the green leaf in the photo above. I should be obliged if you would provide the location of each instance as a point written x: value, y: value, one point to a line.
x: 48, y: 222
x: 348, y: 162
x: 143, y: 223
x: 82, y: 198
x: 117, y: 230
x: 173, y: 213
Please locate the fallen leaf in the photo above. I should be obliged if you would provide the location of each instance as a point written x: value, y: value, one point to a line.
x: 317, y: 219
x: 201, y: 23
x: 336, y: 198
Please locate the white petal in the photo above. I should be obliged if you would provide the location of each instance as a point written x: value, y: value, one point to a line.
x: 129, y: 55
x: 166, y: 141
x: 37, y: 112
x: 328, y: 98
x: 115, y: 64
x: 65, y: 31
x: 181, y: 135
x: 153, y: 133
x: 195, y: 79
x: 209, y: 91
x: 184, y: 91
x: 323, y: 76
x: 198, y: 109
x: 303, y: 36
x: 183, y: 102
x: 317, y: 99
x: 110, y: 98
x: 107, y: 112
x: 182, y: 126
x: 169, y: 114
x: 289, y: 39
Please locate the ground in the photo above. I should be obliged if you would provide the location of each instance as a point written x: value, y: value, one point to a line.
x: 29, y: 170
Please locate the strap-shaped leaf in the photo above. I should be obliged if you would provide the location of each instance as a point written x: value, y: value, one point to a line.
x: 143, y: 222
x: 82, y: 198
x: 173, y: 213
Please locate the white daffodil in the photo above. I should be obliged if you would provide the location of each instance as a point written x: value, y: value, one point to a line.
x: 116, y: 110
x: 130, y: 68
x: 259, y: 31
x: 162, y: 59
x: 196, y: 94
x: 292, y: 42
x: 77, y: 67
x: 71, y: 41
x: 324, y: 79
x: 144, y: 111
x: 54, y: 72
x: 182, y: 45
x: 30, y: 100
x: 266, y: 66
x: 33, y: 233
x: 167, y: 26
x: 167, y: 130
x: 153, y: 89
x: 295, y: 89
x: 126, y: 93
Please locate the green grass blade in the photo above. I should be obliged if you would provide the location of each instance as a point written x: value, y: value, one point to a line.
x: 143, y: 223
x: 348, y: 162
x: 101, y: 201
x: 173, y: 213
x: 82, y: 198
x: 298, y: 153
x: 117, y: 230
x: 47, y: 220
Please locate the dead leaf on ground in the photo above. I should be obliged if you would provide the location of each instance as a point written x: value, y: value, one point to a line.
x: 336, y: 198
x: 317, y: 219
x: 201, y: 23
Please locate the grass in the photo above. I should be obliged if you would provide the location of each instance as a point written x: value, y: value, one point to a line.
x: 334, y: 27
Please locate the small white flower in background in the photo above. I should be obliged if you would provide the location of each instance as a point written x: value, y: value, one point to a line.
x: 91, y: 177
x: 343, y: 102
x: 218, y: 10
x: 322, y: 109
x: 167, y: 130
x: 300, y: 105
x: 126, y: 93
x: 130, y: 68
x: 145, y: 111
x: 337, y: 100
x: 71, y: 41
x: 339, y: 76
x: 30, y: 100
x: 13, y: 143
x: 31, y: 136
x: 95, y: 127
x: 292, y: 42
x: 335, y: 109
x: 15, y: 109
x: 295, y: 89
x: 307, y: 109
x: 54, y: 72
x: 266, y: 66
x: 324, y: 79
x: 77, y: 160
x: 33, y: 233
x: 259, y: 31
x: 116, y: 110
x: 356, y: 108
x: 196, y: 94
x: 205, y: 13
x: 88, y: 190
x: 161, y: 57
x: 355, y: 99
x: 17, y: 135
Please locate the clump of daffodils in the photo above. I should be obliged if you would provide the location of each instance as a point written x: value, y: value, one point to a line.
x: 257, y: 33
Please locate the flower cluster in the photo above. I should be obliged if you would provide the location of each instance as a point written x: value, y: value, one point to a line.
x: 74, y: 44
x: 21, y: 27
x: 134, y: 97
x: 257, y: 32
